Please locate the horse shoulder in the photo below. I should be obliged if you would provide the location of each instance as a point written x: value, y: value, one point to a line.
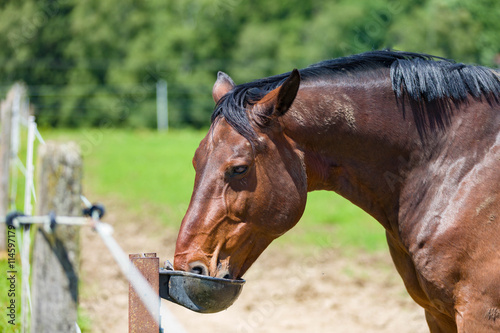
x: 453, y: 241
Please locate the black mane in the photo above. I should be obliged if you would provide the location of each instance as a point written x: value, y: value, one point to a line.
x: 420, y: 77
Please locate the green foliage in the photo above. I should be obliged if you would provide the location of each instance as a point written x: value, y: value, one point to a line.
x: 95, y: 63
x: 454, y: 29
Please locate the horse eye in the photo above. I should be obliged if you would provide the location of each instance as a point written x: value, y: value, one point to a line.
x: 238, y: 170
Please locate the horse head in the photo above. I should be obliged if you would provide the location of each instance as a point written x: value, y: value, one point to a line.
x: 248, y: 190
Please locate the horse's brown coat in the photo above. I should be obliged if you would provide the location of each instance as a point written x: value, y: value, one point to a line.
x: 438, y: 195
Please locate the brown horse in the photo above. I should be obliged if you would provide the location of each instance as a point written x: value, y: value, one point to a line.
x: 412, y: 139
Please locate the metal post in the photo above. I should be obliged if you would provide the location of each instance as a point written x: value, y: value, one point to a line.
x: 139, y: 318
x: 162, y: 105
x: 26, y: 237
x: 28, y: 186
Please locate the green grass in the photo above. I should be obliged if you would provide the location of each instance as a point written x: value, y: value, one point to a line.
x: 332, y: 221
x: 152, y: 174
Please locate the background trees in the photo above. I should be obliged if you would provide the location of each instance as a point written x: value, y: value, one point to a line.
x: 95, y: 63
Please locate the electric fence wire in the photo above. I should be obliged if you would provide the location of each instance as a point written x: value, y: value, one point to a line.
x: 24, y: 221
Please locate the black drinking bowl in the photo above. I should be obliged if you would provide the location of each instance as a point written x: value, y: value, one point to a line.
x: 199, y: 293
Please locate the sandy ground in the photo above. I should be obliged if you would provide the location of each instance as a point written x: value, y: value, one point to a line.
x: 287, y: 289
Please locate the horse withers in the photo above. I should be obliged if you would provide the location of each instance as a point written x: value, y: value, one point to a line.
x: 412, y: 139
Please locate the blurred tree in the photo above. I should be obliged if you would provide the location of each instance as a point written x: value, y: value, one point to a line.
x: 461, y: 29
x: 33, y: 37
x: 96, y: 63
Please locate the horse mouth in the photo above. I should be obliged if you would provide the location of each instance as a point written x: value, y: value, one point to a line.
x: 199, y: 293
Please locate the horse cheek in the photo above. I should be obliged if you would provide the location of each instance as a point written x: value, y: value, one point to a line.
x: 237, y: 202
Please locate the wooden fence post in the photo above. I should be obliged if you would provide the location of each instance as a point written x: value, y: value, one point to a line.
x: 5, y: 152
x: 139, y: 318
x: 56, y: 254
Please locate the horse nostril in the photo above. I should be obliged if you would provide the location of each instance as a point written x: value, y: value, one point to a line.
x: 199, y: 269
x: 227, y: 276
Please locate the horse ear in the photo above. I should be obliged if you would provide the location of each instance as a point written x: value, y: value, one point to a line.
x: 277, y: 102
x: 222, y: 86
x: 287, y: 93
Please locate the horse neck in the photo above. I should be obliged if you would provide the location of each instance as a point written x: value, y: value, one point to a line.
x: 356, y: 142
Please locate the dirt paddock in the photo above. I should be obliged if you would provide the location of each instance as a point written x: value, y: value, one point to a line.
x: 286, y: 291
